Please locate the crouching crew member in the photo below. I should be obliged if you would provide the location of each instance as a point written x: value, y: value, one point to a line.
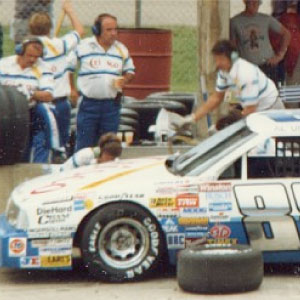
x: 109, y: 149
x: 30, y: 74
x: 105, y: 67
x: 56, y: 51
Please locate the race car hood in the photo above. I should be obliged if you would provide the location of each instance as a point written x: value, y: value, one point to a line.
x: 62, y: 186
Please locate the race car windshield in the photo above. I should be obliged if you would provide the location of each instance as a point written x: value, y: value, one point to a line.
x: 208, y: 152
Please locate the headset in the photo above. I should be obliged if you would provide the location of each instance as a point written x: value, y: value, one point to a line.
x: 20, y: 48
x: 234, y: 56
x: 97, y: 27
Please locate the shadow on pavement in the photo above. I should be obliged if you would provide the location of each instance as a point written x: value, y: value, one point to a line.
x: 78, y: 275
x: 282, y: 269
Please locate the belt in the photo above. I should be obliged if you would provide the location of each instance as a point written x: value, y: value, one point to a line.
x: 97, y: 99
x: 59, y: 99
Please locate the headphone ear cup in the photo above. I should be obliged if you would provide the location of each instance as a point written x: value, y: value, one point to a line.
x: 95, y: 30
x: 19, y: 49
x: 234, y: 56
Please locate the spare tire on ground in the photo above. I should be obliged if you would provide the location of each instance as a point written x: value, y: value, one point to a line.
x: 14, y: 125
x: 220, y: 269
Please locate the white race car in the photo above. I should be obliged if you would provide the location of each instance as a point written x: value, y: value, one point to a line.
x: 239, y: 186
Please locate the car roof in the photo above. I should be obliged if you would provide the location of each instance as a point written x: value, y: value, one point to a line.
x: 275, y: 123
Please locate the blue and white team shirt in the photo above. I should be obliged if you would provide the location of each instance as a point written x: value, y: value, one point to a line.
x: 99, y: 68
x: 55, y: 54
x: 249, y: 85
x: 37, y: 77
x: 84, y: 157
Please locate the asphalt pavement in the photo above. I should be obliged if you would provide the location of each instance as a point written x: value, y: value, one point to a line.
x: 280, y: 282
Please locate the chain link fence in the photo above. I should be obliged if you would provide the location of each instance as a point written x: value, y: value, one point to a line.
x: 179, y: 16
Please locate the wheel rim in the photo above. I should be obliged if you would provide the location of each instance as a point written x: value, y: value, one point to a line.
x: 123, y: 243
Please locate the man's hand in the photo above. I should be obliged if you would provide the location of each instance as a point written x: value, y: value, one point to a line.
x: 67, y: 6
x: 74, y: 95
x: 182, y: 123
x: 275, y: 60
x: 119, y: 83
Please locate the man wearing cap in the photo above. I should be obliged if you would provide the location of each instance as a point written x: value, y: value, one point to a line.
x: 249, y: 31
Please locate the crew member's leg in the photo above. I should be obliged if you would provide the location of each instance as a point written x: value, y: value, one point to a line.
x: 110, y: 117
x: 88, y: 121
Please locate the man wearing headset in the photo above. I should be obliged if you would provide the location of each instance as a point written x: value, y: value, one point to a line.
x: 30, y: 74
x: 56, y: 51
x: 254, y: 90
x: 105, y: 67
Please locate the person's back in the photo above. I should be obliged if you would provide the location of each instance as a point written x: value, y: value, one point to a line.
x: 109, y: 149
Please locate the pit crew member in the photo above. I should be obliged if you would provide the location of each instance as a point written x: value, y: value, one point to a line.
x: 105, y: 67
x: 56, y: 51
x: 254, y: 90
x: 109, y: 148
x: 30, y: 74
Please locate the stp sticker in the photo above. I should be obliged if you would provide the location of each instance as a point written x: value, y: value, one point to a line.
x: 17, y: 246
x: 220, y: 232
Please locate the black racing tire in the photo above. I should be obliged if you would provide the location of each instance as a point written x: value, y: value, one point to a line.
x: 151, y: 106
x: 130, y: 113
x: 188, y: 99
x: 124, y: 128
x: 129, y: 121
x: 215, y: 269
x: 122, y: 242
x: 14, y: 125
x: 148, y: 111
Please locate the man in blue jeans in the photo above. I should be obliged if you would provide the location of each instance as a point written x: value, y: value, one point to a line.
x: 55, y: 56
x: 105, y: 67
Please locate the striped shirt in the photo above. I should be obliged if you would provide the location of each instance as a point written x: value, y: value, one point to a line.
x: 38, y: 77
x: 249, y: 85
x: 83, y: 157
x: 99, y: 68
x: 56, y: 51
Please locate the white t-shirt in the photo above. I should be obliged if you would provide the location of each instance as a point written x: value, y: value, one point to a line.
x: 99, y: 68
x: 56, y: 51
x: 83, y: 157
x: 249, y: 84
x: 38, y: 77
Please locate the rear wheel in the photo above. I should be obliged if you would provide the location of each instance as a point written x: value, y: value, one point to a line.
x: 122, y: 242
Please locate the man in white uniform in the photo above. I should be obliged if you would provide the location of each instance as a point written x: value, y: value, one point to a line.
x: 30, y: 74
x: 254, y: 90
x: 109, y: 149
x: 105, y: 67
x: 56, y: 51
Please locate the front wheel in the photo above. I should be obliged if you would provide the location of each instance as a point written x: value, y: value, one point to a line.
x: 122, y: 242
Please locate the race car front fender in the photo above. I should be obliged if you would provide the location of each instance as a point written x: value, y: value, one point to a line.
x: 19, y: 252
